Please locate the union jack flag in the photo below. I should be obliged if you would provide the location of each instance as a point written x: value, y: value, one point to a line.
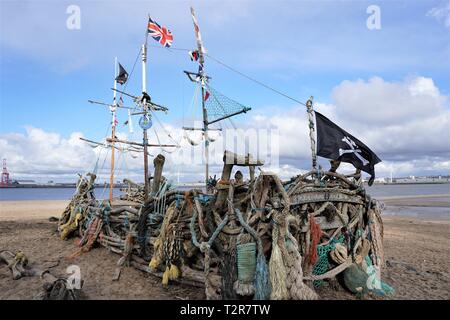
x: 162, y: 35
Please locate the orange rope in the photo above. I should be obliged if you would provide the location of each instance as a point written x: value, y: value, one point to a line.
x: 316, y: 234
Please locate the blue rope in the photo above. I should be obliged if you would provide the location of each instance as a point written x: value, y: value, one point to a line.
x: 213, y: 236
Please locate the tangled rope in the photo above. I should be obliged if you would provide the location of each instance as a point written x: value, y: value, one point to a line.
x: 277, y: 269
x: 298, y: 290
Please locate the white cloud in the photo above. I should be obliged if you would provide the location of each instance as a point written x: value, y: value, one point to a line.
x: 441, y: 13
x: 406, y: 123
x: 39, y: 153
x: 376, y: 101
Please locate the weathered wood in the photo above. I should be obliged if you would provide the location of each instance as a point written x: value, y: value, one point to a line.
x: 140, y: 144
x: 239, y: 160
x: 127, y: 209
x: 224, y: 180
x: 324, y: 224
x: 332, y: 273
x: 158, y: 164
x: 311, y: 195
x: 17, y: 263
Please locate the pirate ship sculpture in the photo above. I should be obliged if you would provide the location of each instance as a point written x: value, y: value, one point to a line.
x: 259, y: 237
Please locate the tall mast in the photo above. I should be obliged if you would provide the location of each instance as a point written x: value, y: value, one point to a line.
x: 205, y: 130
x: 203, y: 79
x: 113, y: 132
x: 144, y: 101
x: 312, y: 137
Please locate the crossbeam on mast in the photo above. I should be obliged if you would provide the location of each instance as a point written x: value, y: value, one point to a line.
x: 109, y: 105
x: 141, y: 144
x: 200, y: 129
x: 154, y: 106
x: 197, y: 76
x: 131, y: 149
x: 91, y: 141
x: 229, y: 116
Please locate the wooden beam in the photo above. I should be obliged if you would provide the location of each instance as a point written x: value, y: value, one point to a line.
x: 141, y: 144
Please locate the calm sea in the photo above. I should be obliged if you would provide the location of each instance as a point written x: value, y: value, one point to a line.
x: 395, y: 190
x: 377, y: 191
x: 48, y: 193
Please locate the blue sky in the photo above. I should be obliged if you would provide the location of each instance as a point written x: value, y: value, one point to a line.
x: 303, y: 48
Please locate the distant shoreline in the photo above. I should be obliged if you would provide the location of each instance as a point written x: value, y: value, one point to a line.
x: 409, y: 183
x: 55, y: 186
x: 117, y: 186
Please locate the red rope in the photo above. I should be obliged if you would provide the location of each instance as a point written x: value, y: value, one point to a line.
x: 316, y: 234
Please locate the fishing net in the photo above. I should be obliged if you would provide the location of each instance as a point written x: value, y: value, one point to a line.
x: 322, y: 265
x: 383, y: 288
x: 219, y: 106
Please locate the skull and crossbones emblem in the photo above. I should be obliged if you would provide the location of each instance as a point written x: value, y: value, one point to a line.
x: 353, y: 150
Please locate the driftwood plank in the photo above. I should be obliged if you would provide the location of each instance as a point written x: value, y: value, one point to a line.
x: 324, y: 224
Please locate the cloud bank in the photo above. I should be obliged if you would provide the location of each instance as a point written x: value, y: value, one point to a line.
x: 405, y: 122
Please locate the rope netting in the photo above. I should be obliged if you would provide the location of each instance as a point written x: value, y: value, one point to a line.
x: 323, y: 264
x: 219, y: 105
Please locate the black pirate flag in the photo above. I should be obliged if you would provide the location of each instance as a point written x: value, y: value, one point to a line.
x: 335, y: 143
x: 123, y: 75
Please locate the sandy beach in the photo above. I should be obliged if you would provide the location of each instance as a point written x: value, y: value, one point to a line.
x: 417, y: 252
x: 31, y: 209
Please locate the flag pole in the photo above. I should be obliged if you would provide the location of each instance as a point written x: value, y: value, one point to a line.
x: 312, y: 136
x: 113, y: 133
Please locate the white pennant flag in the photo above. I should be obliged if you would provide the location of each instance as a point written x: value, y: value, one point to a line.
x: 198, y: 36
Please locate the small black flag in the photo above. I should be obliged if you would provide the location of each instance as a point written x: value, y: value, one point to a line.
x: 335, y: 143
x: 123, y: 75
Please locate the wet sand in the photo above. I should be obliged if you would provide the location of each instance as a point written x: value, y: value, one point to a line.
x: 417, y: 252
x: 31, y: 209
x: 439, y: 200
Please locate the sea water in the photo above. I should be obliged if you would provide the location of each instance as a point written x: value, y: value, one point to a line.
x: 17, y: 194
x: 399, y: 190
x: 376, y: 191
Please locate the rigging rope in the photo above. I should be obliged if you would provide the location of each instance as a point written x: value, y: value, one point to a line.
x: 171, y: 49
x: 254, y: 80
x: 164, y: 129
x: 101, y: 168
x: 131, y: 73
x: 159, y: 142
x: 192, y: 114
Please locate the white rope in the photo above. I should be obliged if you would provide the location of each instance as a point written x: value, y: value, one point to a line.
x: 103, y: 165
x: 192, y: 110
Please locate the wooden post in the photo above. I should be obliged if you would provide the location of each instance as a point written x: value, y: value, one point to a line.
x: 312, y: 132
x: 231, y: 159
x: 158, y: 163
x: 205, y: 130
x: 113, y: 133
x: 146, y: 182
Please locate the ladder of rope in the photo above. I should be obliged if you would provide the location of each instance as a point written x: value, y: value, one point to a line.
x: 220, y: 107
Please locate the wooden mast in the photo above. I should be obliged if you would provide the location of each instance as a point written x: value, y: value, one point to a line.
x: 144, y: 102
x: 203, y: 79
x: 113, y: 133
x: 312, y: 136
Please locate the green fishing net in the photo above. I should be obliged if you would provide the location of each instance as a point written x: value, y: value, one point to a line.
x: 322, y: 265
